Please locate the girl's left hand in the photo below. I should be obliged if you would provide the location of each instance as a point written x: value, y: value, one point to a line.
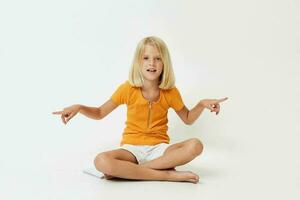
x: 212, y: 104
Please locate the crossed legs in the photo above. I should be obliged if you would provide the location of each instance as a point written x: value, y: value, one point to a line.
x: 121, y: 163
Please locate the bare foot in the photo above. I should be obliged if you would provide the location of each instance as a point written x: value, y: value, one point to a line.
x: 185, y: 176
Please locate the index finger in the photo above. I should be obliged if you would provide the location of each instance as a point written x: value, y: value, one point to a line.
x: 221, y: 100
x: 57, y: 112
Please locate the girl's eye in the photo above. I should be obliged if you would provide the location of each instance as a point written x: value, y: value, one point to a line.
x: 146, y: 58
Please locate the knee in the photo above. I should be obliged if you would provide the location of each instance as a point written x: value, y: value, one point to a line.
x: 195, y: 147
x: 102, y: 163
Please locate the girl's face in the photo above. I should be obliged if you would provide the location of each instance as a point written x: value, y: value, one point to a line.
x: 152, y: 65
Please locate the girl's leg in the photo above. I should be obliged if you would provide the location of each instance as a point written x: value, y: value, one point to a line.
x: 107, y: 163
x: 120, y: 155
x: 177, y: 154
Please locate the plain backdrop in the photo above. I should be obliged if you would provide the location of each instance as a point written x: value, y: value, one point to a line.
x: 57, y: 53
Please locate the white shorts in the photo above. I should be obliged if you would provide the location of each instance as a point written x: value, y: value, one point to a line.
x: 145, y: 153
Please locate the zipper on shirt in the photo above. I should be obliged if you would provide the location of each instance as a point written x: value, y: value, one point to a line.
x: 149, y: 114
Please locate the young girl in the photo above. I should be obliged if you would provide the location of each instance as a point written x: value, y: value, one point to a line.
x: 145, y: 152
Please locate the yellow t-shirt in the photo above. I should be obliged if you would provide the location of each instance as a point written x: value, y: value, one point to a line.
x: 146, y: 122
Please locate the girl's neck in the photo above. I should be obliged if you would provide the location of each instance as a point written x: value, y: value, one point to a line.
x: 150, y: 85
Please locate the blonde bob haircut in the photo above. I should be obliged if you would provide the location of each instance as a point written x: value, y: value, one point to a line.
x: 167, y: 78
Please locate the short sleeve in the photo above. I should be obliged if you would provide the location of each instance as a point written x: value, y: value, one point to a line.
x: 120, y: 96
x: 175, y: 100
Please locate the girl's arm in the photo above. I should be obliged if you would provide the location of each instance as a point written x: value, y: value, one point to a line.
x: 91, y: 112
x: 98, y: 112
x: 189, y: 116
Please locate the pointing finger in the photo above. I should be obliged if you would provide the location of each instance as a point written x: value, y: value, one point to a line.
x: 57, y: 112
x: 221, y: 100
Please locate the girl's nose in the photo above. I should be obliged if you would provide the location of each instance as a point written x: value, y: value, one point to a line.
x: 152, y: 61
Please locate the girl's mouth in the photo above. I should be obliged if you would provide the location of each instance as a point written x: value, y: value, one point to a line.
x: 151, y: 70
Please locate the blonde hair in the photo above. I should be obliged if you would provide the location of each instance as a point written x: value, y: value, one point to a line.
x: 167, y: 78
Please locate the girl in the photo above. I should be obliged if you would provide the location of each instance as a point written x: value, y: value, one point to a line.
x: 145, y: 152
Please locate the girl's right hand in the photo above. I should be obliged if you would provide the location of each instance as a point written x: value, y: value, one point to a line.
x: 212, y: 104
x: 68, y: 113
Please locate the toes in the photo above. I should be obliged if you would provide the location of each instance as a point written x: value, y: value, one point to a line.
x: 194, y: 177
x: 194, y: 180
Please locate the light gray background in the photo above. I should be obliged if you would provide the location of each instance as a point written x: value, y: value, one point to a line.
x: 57, y: 53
